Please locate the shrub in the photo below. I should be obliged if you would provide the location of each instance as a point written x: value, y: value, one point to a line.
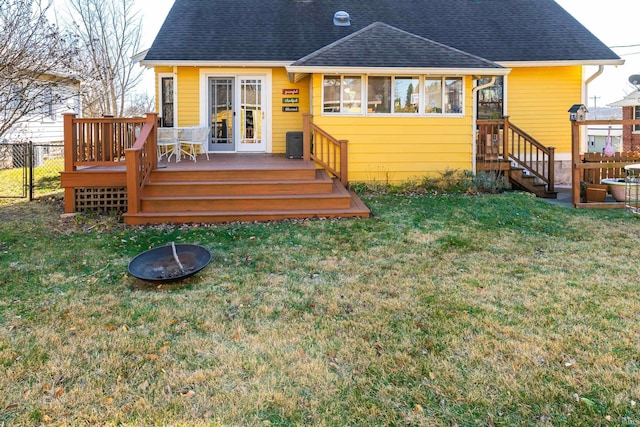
x: 450, y: 181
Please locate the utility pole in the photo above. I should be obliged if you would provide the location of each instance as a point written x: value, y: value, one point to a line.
x: 595, y: 106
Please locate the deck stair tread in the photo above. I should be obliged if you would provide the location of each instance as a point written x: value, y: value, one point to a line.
x: 262, y: 194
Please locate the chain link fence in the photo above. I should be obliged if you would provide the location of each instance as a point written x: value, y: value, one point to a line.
x: 30, y: 170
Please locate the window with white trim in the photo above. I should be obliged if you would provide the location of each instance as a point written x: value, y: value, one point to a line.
x: 636, y: 116
x: 395, y: 95
x: 342, y: 94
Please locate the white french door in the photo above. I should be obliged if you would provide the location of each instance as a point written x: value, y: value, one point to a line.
x: 252, y: 111
x: 237, y: 108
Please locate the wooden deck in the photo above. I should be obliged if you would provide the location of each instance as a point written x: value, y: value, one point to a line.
x: 229, y: 187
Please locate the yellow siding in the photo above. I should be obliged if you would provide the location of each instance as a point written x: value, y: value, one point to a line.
x: 538, y: 100
x: 395, y: 149
x: 188, y: 88
x: 286, y: 122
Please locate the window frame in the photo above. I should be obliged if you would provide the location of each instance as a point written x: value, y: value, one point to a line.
x: 636, y: 116
x: 341, y: 92
x: 421, y: 110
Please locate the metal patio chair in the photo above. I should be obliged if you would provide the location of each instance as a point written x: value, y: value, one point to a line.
x: 168, y: 144
x: 194, y: 141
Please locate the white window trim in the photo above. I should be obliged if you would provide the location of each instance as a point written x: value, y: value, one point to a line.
x: 363, y: 87
x: 635, y: 128
x: 421, y: 108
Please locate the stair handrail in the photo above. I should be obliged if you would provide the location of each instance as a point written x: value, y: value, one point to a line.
x: 538, y: 159
x: 141, y: 159
x: 515, y: 145
x: 329, y: 152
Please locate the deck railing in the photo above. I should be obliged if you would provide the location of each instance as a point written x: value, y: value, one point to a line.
x: 142, y: 158
x: 109, y: 142
x: 324, y: 149
x: 502, y: 139
x: 99, y: 141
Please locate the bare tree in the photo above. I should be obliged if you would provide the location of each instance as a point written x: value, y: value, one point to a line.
x: 138, y: 104
x: 110, y: 32
x: 35, y: 59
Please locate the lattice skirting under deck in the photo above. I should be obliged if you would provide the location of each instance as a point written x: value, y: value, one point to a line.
x: 101, y: 199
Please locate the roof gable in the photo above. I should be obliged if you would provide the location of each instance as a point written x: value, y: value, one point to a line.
x: 382, y: 46
x: 287, y: 30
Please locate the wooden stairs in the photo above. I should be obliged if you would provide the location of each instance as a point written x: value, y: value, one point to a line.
x: 243, y: 194
x: 518, y: 177
x: 520, y: 180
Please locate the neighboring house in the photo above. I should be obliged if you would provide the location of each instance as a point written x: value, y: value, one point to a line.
x: 630, y: 110
x: 398, y: 80
x: 45, y: 124
x: 597, y: 137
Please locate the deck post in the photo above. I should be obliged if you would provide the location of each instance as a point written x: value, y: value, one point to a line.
x: 344, y: 162
x: 552, y: 168
x: 505, y: 138
x: 69, y: 160
x: 575, y: 156
x: 153, y: 139
x: 306, y: 136
x: 134, y: 163
x: 69, y: 139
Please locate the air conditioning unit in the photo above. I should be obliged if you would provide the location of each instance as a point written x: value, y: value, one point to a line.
x: 294, y: 145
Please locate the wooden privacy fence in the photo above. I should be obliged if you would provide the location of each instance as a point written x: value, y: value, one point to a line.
x: 612, y: 166
x: 593, y: 167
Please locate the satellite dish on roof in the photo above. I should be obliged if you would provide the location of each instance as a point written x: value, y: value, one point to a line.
x: 635, y: 80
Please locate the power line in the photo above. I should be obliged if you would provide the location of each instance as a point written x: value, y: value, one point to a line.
x: 623, y: 46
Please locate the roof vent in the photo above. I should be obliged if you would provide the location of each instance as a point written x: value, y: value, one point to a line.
x: 341, y: 19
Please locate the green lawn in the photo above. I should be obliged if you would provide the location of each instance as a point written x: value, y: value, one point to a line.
x: 446, y: 310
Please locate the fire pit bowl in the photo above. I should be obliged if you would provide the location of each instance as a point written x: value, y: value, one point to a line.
x: 159, y: 264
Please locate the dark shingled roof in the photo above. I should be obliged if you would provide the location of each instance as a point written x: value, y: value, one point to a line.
x: 380, y: 45
x: 287, y: 30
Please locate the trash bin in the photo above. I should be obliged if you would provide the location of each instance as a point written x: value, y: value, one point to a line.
x: 294, y: 145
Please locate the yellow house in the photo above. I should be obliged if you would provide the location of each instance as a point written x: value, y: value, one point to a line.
x: 370, y: 91
x: 404, y: 82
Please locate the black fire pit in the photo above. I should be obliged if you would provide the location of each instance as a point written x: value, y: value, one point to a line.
x: 160, y: 264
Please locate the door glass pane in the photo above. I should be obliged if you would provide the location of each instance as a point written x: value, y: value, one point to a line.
x: 251, y: 111
x: 490, y: 99
x: 222, y: 111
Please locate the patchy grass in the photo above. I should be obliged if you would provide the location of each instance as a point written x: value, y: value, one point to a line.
x: 440, y: 310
